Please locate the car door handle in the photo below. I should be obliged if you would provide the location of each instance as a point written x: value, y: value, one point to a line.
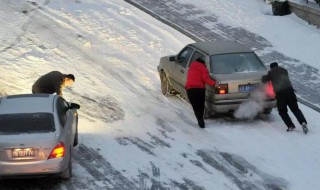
x: 181, y: 71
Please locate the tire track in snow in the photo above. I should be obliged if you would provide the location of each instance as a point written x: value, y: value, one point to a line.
x: 244, y: 175
x: 200, y: 165
x: 142, y: 145
x: 102, y: 171
x: 145, y: 180
x: 105, y: 108
x: 7, y: 88
x: 157, y: 141
x: 187, y: 185
x: 107, y: 177
x: 25, y: 26
x: 155, y: 170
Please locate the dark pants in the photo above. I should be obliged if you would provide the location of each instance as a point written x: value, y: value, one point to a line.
x: 196, y: 97
x: 288, y: 98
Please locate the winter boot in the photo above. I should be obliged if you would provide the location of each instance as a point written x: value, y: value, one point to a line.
x: 201, y: 124
x: 304, y: 127
x: 291, y: 128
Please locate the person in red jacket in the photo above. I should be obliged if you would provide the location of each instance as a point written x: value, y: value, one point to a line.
x: 197, y: 78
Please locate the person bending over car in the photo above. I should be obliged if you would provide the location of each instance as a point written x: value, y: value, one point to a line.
x: 197, y: 78
x: 53, y: 82
x: 285, y: 96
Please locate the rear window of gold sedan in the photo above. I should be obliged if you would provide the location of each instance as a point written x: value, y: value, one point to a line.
x: 235, y: 63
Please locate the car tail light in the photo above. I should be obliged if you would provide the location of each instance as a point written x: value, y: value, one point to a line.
x: 269, y: 90
x: 58, y: 151
x: 221, y: 89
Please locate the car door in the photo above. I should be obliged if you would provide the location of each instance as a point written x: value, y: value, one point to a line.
x: 66, y: 118
x: 179, y: 71
x: 195, y: 55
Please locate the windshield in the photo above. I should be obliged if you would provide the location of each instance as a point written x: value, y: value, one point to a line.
x: 235, y: 63
x: 26, y: 123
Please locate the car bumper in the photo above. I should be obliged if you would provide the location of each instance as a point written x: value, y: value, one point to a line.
x: 32, y: 168
x: 226, y: 106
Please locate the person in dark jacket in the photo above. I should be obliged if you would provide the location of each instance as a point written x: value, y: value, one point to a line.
x: 285, y: 96
x: 197, y: 78
x: 53, y: 82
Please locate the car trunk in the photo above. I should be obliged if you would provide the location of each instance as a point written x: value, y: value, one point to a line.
x: 239, y: 84
x: 26, y: 147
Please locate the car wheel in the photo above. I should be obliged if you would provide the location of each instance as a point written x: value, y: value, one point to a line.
x: 75, y: 142
x: 267, y: 110
x: 208, y: 114
x: 67, y: 173
x: 165, y: 85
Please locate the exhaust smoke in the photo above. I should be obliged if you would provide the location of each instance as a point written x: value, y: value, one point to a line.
x: 253, y: 106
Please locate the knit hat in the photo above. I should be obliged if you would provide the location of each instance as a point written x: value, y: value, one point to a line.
x: 273, y: 65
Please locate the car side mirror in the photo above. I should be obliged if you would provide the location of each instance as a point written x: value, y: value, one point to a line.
x: 74, y: 106
x: 181, y: 59
x: 172, y: 58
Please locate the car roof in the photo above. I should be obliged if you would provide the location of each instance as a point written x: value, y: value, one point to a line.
x: 220, y: 47
x: 27, y: 103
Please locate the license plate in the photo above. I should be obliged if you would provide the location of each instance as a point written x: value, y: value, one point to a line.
x: 247, y: 87
x: 23, y: 153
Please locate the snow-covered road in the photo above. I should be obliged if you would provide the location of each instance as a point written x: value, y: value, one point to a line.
x: 131, y: 136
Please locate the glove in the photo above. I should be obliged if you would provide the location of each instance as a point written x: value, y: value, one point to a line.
x: 217, y: 83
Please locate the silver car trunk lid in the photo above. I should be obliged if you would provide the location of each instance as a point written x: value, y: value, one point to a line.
x: 21, y: 147
x: 237, y: 80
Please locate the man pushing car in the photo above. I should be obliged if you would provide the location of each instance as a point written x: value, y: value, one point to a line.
x: 285, y: 96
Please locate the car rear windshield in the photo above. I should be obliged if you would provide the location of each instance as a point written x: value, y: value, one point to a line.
x: 26, y: 123
x: 235, y: 63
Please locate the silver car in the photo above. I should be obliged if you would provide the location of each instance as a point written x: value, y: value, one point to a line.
x: 37, y: 135
x: 236, y: 68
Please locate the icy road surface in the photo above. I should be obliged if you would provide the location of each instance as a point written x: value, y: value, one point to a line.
x: 131, y: 136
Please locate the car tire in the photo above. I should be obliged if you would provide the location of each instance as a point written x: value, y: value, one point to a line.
x: 165, y: 84
x: 267, y: 111
x: 208, y: 114
x: 75, y: 142
x: 67, y: 173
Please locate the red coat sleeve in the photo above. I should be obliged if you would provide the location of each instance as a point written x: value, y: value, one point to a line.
x: 206, y: 78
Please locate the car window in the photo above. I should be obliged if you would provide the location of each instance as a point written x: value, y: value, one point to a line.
x: 62, y: 110
x: 195, y: 56
x: 26, y: 123
x: 184, y: 56
x: 235, y: 63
